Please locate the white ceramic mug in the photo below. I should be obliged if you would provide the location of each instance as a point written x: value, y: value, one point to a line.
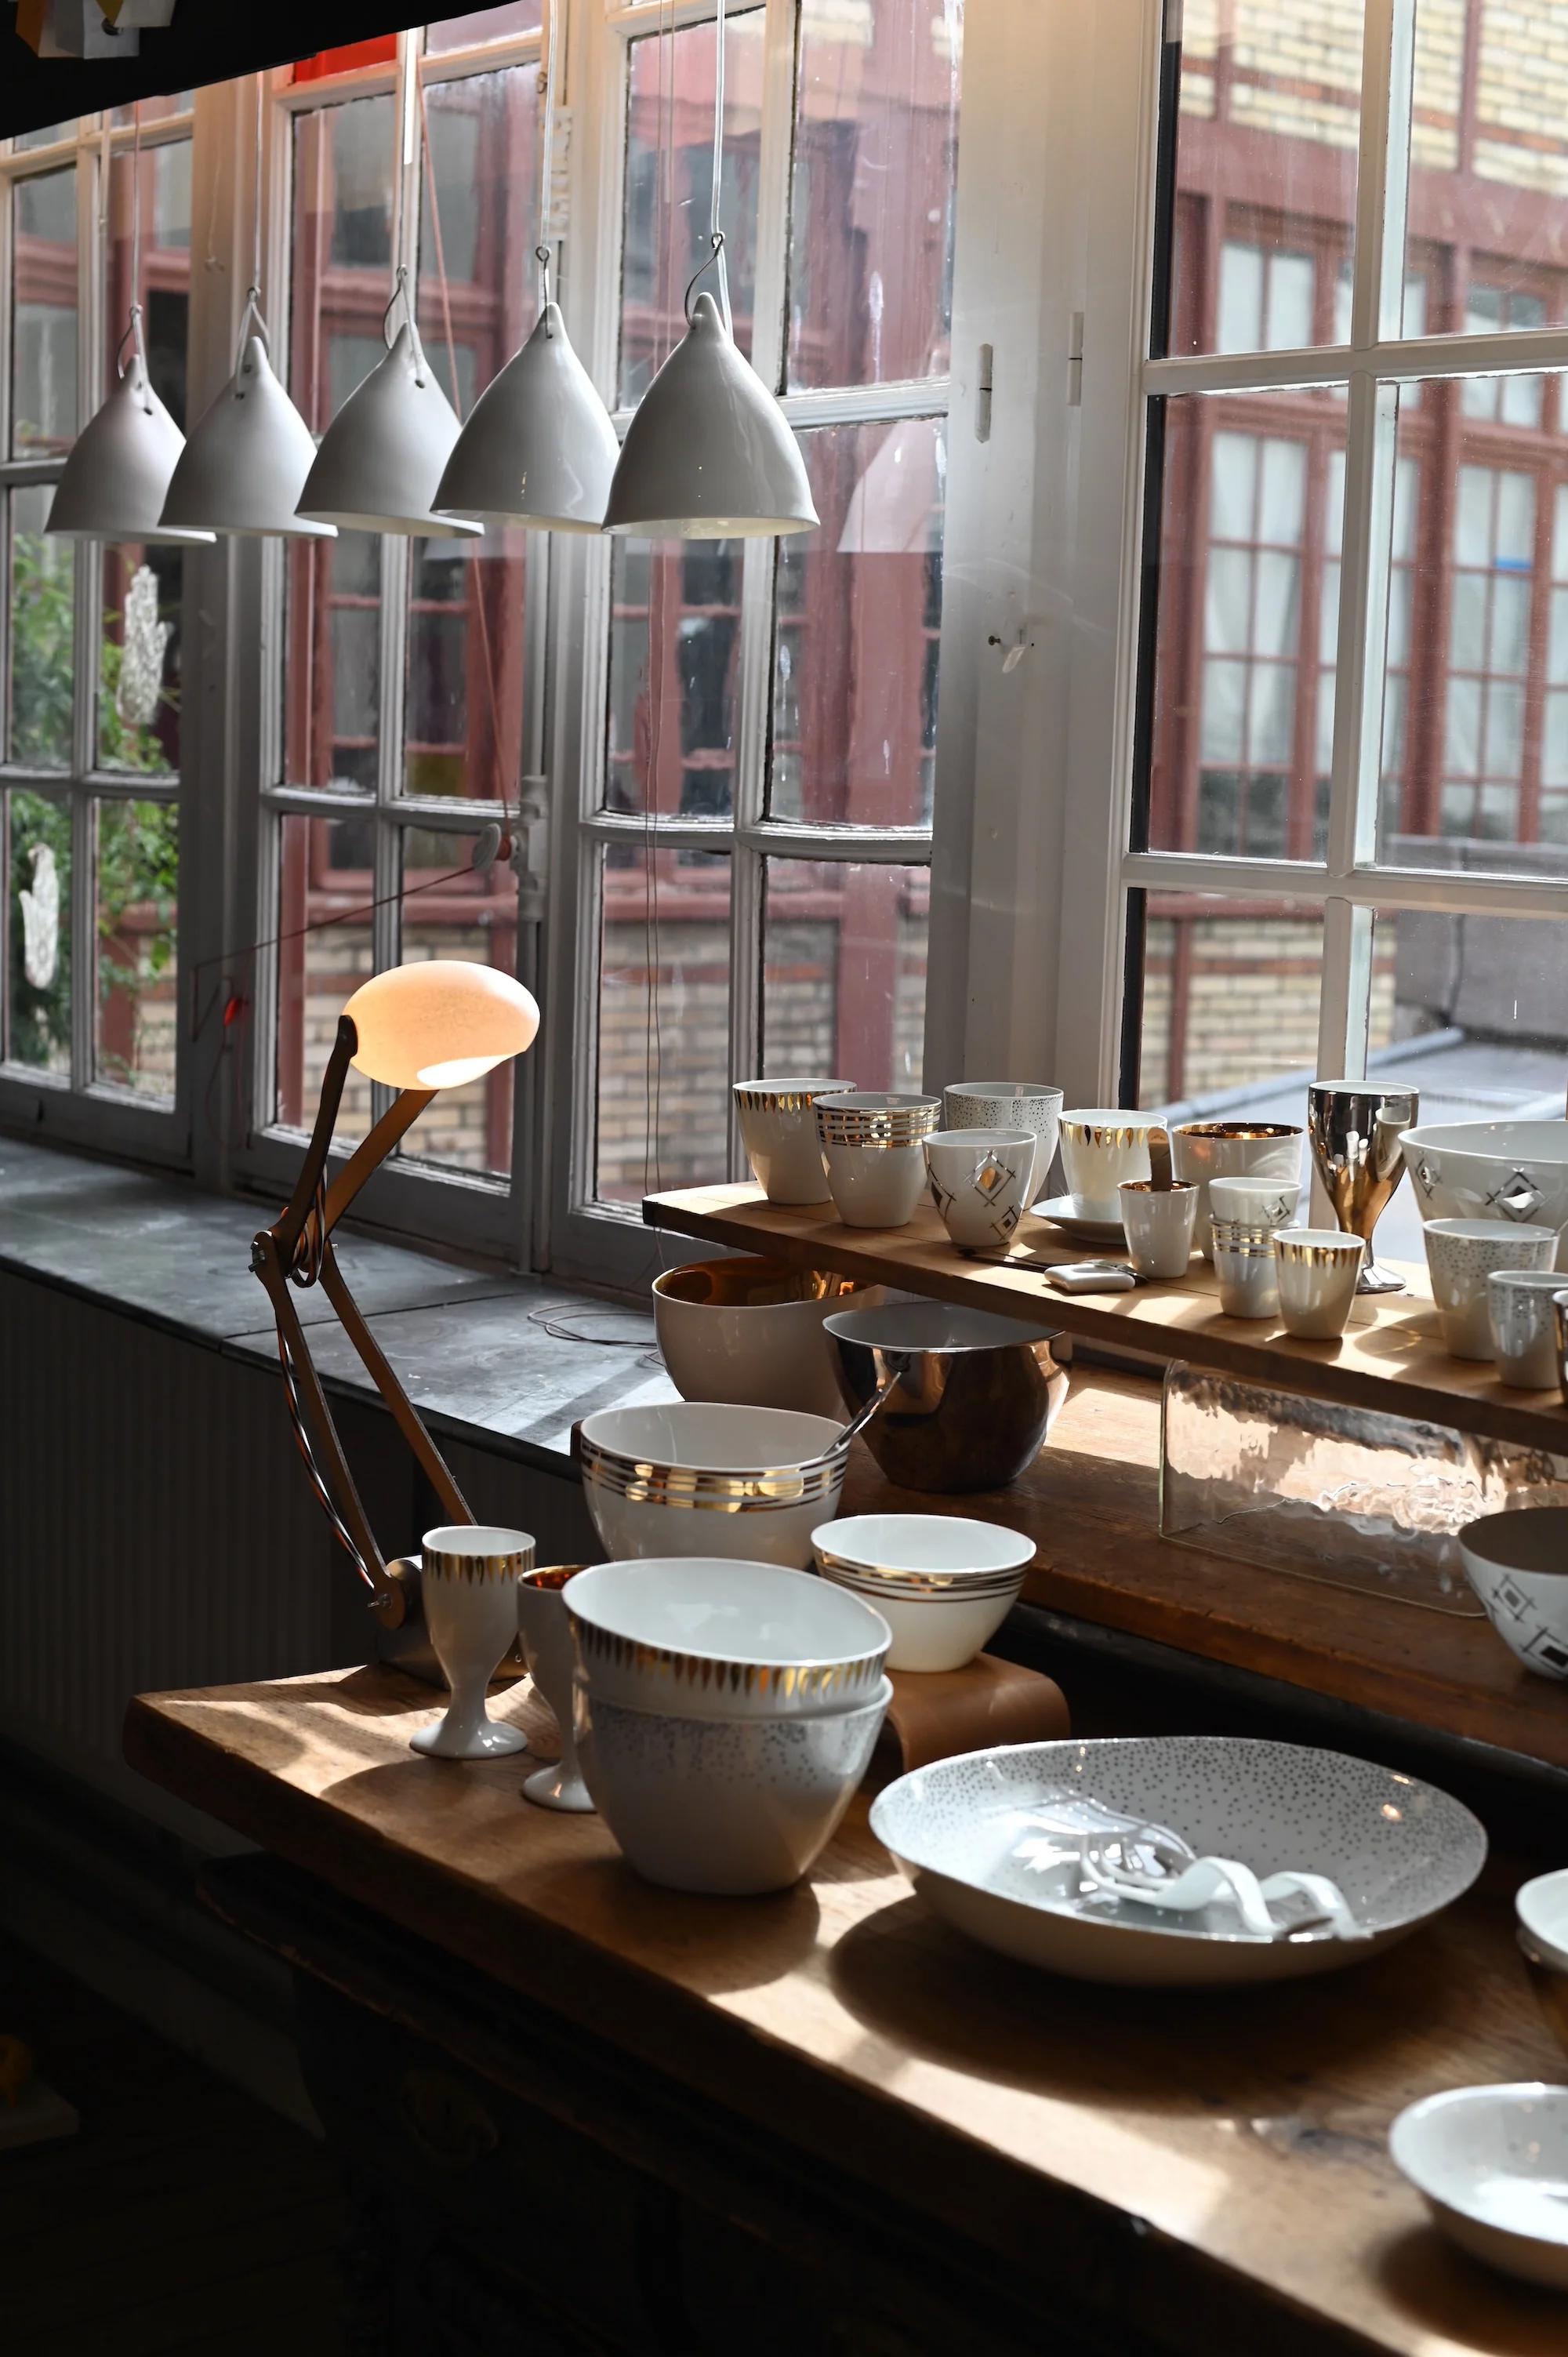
x: 871, y: 1148
x: 1268, y: 1203
x: 1244, y: 1256
x: 551, y: 1656
x: 1101, y: 1146
x: 779, y: 1128
x: 1522, y: 1311
x: 1157, y: 1223
x: 1010, y: 1104
x: 1205, y: 1150
x: 1315, y: 1270
x: 1461, y: 1254
x: 979, y: 1183
x: 467, y: 1584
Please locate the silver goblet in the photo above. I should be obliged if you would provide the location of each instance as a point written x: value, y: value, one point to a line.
x: 1355, y: 1131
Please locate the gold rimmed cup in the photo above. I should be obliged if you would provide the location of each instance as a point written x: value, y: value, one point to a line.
x: 779, y: 1133
x: 873, y: 1149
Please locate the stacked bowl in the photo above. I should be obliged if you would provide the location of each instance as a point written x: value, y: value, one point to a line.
x: 724, y: 1713
x: 943, y: 1585
x: 704, y: 1479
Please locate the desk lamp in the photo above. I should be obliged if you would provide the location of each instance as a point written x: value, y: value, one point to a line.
x: 417, y: 1028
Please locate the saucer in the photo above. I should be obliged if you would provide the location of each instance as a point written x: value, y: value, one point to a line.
x: 1491, y: 2164
x: 1058, y: 1211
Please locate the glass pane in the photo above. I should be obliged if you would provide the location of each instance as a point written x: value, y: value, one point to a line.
x: 479, y: 205
x: 43, y: 341
x: 164, y: 289
x: 668, y: 183
x: 484, y: 25
x: 138, y: 693
x: 871, y: 215
x: 1247, y: 612
x: 463, y: 711
x: 158, y: 107
x: 457, y: 912
x: 138, y: 901
x: 1268, y: 118
x: 43, y: 575
x: 325, y: 886
x: 43, y: 136
x: 1489, y: 109
x: 662, y: 1098
x: 1472, y: 774
x: 1205, y: 961
x: 843, y: 970
x: 859, y: 613
x: 673, y: 676
x: 37, y: 995
x: 332, y: 663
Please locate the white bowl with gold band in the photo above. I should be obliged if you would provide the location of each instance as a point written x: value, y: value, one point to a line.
x: 703, y: 1477
x: 714, y: 1637
x: 943, y: 1584
x: 780, y: 1132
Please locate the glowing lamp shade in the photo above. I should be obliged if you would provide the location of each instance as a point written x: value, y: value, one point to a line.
x: 709, y: 454
x: 438, y: 1023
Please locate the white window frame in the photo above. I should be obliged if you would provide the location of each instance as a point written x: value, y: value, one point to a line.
x: 77, y: 1108
x: 1106, y: 68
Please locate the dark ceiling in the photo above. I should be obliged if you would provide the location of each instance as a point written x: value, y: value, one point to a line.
x: 208, y: 40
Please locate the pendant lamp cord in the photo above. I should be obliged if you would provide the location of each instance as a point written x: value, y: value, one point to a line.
x: 251, y: 313
x: 716, y: 234
x: 132, y: 335
x: 542, y: 251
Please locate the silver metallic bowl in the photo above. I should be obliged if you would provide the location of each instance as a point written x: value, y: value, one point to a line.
x: 968, y: 1397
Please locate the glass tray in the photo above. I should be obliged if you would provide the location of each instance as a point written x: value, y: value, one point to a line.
x: 1349, y: 1497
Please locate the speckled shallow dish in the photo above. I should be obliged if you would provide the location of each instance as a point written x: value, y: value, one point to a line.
x: 1401, y: 1850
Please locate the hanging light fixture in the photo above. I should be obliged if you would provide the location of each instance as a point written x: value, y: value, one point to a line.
x: 381, y: 458
x: 242, y: 470
x: 539, y: 449
x: 118, y: 472
x: 709, y: 454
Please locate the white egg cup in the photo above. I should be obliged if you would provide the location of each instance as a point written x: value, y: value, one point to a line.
x: 551, y: 1661
x: 469, y: 1581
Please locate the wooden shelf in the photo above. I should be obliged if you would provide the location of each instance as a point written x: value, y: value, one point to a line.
x: 1391, y: 1358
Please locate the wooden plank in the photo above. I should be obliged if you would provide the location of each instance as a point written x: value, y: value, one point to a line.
x: 1090, y: 1502
x: 1392, y: 1357
x: 1246, y: 2142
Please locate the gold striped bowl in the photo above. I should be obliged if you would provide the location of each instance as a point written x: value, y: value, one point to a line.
x: 750, y: 1482
x: 714, y: 1637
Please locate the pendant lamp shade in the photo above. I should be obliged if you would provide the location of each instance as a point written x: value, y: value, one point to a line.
x: 539, y: 449
x: 117, y: 475
x: 243, y: 468
x: 381, y: 458
x: 708, y: 455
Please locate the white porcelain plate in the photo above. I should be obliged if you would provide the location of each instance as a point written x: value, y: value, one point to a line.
x: 1491, y: 2164
x: 1058, y: 1211
x: 992, y: 1839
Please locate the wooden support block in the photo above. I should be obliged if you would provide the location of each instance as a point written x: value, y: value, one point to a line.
x: 936, y: 1713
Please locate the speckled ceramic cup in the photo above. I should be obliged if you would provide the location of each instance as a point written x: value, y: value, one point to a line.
x: 1462, y: 1255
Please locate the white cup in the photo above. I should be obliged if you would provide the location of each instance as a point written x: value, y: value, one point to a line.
x: 1268, y: 1203
x: 1205, y: 1150
x: 778, y: 1129
x: 1522, y: 1311
x: 979, y: 1183
x: 1461, y: 1254
x: 1315, y: 1270
x: 1101, y: 1146
x: 1244, y: 1256
x: 871, y: 1148
x: 1157, y: 1223
x: 1010, y: 1104
x: 467, y: 1585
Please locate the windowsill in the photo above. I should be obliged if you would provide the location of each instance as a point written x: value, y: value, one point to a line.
x: 466, y: 1343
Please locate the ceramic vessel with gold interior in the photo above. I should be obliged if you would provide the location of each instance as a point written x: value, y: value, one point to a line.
x: 748, y: 1332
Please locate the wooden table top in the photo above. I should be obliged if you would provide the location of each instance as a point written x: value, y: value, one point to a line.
x: 1216, y: 2164
x: 1392, y: 1357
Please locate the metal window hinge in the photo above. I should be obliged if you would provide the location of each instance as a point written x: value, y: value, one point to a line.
x: 530, y: 848
x: 982, y: 394
x: 1075, y: 364
x: 1174, y: 9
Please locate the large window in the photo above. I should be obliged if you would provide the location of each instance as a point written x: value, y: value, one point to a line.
x: 90, y: 676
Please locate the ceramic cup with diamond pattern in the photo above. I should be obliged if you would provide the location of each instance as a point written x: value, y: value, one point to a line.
x: 979, y: 1183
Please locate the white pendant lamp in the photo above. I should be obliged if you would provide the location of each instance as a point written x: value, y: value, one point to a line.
x: 539, y: 449
x: 118, y: 472
x: 709, y: 454
x: 381, y: 458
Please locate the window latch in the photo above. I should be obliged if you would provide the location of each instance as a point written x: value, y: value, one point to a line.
x: 1075, y: 364
x: 982, y: 394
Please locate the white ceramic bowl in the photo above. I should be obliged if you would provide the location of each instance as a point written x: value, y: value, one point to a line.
x: 695, y: 1478
x: 714, y: 1638
x: 730, y: 1806
x: 990, y: 1839
x: 1491, y: 1170
x: 1491, y: 2164
x: 1541, y: 1907
x: 748, y: 1332
x: 1517, y: 1565
x: 943, y: 1585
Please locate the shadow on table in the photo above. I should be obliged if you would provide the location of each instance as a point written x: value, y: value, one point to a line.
x: 1457, y: 2298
